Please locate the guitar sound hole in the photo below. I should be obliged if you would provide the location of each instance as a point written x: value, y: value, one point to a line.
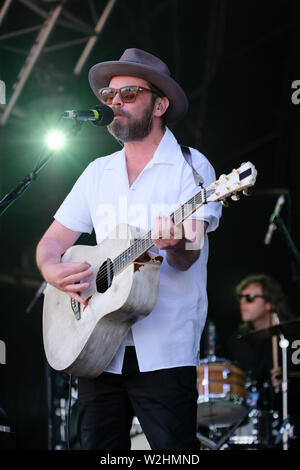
x: 105, y: 276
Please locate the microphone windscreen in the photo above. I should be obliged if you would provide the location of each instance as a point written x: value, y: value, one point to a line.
x: 106, y: 115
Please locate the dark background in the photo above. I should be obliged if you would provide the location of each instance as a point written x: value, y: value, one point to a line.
x: 236, y: 61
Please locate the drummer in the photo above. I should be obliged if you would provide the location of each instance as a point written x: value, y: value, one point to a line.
x: 260, y: 297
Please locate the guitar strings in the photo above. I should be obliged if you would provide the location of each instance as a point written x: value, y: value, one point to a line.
x: 182, y: 212
x: 141, y: 244
x: 132, y: 252
x: 128, y: 255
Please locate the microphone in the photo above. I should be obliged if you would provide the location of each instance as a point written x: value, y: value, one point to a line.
x: 272, y: 226
x: 101, y: 115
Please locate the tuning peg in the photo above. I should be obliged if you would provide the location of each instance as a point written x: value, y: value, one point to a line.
x: 235, y: 197
x: 225, y: 203
x: 247, y: 192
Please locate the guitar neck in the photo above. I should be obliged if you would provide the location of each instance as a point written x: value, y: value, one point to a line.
x: 145, y: 242
x: 184, y: 211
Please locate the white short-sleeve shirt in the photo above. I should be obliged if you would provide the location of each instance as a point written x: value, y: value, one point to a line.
x: 101, y: 198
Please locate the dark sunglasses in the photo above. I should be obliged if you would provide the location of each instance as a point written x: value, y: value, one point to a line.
x: 249, y: 297
x: 127, y: 94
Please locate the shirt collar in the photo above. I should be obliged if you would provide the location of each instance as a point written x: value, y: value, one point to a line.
x: 168, y: 152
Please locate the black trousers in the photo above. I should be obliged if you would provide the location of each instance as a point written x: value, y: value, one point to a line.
x: 165, y: 402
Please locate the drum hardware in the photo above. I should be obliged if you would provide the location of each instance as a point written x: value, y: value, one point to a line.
x: 291, y: 327
x: 229, y: 409
x: 64, y: 408
x: 248, y: 434
x: 220, y: 406
x: 280, y: 330
x: 4, y: 424
x: 256, y: 430
x: 233, y: 429
x: 252, y: 396
x: 286, y: 427
x: 275, y: 321
x: 259, y: 432
x: 218, y: 445
x: 290, y: 375
x: 208, y: 443
x: 222, y: 392
x: 211, y: 340
x: 286, y: 432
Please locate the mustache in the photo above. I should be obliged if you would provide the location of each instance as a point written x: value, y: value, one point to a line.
x: 120, y: 112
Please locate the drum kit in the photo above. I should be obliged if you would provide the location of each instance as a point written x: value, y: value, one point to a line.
x: 230, y: 415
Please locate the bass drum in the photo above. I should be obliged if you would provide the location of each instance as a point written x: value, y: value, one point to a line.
x: 222, y: 393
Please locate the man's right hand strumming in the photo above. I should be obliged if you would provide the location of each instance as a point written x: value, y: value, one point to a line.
x: 70, y: 278
x: 66, y: 277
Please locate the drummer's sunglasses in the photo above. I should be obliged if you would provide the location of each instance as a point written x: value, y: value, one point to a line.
x: 249, y: 297
x: 127, y: 94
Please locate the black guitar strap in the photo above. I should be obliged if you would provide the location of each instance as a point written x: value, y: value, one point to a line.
x: 188, y: 157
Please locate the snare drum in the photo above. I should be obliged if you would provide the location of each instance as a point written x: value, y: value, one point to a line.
x: 222, y: 393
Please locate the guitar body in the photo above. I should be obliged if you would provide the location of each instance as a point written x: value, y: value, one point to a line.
x: 84, y: 344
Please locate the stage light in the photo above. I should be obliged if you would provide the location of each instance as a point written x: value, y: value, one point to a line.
x: 55, y: 140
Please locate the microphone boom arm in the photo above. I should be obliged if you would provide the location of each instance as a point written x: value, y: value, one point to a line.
x: 20, y: 189
x: 291, y: 245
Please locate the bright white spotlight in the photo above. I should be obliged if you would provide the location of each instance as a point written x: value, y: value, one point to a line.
x: 55, y: 140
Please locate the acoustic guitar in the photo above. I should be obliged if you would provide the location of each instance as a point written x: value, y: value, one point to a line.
x: 82, y: 339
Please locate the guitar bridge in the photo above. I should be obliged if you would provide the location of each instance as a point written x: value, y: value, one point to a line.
x: 75, y: 305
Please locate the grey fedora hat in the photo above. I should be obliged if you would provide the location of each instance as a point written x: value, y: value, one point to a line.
x: 138, y: 63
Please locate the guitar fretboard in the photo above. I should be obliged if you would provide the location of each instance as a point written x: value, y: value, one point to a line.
x: 144, y: 243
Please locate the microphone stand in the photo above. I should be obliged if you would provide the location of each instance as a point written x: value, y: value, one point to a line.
x: 20, y: 189
x: 12, y: 196
x: 283, y: 343
x: 291, y: 245
x: 285, y: 428
x: 36, y: 297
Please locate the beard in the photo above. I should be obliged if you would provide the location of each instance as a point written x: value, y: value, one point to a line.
x: 134, y: 129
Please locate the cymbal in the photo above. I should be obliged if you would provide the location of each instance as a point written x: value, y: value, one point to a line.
x: 292, y: 375
x: 288, y: 328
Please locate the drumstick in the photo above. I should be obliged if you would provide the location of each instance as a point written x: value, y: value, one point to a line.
x: 275, y: 348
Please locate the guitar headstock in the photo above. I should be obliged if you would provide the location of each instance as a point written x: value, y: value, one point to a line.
x: 233, y: 183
